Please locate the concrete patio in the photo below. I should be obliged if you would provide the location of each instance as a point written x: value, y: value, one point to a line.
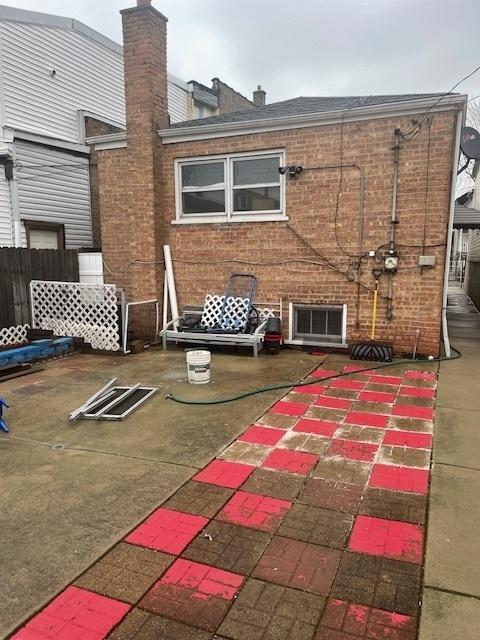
x: 324, y: 543
x: 61, y: 509
x: 451, y: 598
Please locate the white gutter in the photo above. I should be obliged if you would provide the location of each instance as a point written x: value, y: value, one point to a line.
x: 448, y: 252
x: 108, y: 141
x: 383, y: 110
x: 65, y: 145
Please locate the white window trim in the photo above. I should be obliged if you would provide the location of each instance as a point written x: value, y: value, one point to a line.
x: 316, y: 343
x: 229, y: 216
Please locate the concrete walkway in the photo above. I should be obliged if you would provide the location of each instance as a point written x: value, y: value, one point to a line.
x: 451, y: 598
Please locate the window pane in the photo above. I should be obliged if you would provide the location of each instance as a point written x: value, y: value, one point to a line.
x: 257, y: 199
x: 256, y: 171
x: 319, y: 322
x: 202, y: 175
x: 203, y: 202
x: 334, y: 322
x: 303, y: 320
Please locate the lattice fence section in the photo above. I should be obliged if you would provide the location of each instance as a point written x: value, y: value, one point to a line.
x: 267, y: 312
x: 13, y: 335
x: 87, y: 311
x: 225, y: 313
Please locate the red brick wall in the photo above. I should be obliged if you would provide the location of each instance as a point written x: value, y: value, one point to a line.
x: 137, y: 197
x: 94, y: 127
x: 311, y: 204
x: 229, y: 100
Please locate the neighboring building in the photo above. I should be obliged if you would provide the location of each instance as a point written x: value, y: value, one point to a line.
x: 212, y: 190
x: 61, y: 81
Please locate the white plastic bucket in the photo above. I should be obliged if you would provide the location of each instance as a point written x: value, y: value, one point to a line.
x: 198, y: 366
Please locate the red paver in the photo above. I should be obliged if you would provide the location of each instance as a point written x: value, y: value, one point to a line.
x: 323, y: 373
x: 319, y: 427
x: 225, y: 474
x: 421, y: 375
x: 377, y: 396
x: 346, y: 621
x: 262, y: 435
x: 408, y: 439
x: 387, y: 538
x: 365, y: 419
x: 194, y: 594
x: 332, y: 403
x: 167, y: 530
x: 76, y: 614
x: 291, y: 461
x: 385, y: 476
x: 393, y: 380
x: 417, y: 392
x: 255, y: 511
x: 352, y: 449
x: 286, y: 408
x: 310, y: 388
x: 346, y: 383
x: 411, y: 411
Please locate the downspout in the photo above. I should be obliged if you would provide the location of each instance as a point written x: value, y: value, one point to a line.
x: 393, y: 221
x: 448, y: 251
x: 10, y: 175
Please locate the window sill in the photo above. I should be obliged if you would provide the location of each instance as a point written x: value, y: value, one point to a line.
x: 317, y: 343
x: 234, y: 220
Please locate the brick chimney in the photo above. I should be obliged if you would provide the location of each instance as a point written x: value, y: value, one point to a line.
x: 145, y: 69
x: 259, y: 96
x: 128, y: 177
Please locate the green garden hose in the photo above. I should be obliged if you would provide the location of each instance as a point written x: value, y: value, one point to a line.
x: 247, y: 394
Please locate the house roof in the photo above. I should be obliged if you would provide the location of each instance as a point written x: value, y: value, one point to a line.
x: 466, y: 217
x: 302, y: 106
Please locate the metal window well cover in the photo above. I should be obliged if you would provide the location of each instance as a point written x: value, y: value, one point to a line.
x: 123, y: 408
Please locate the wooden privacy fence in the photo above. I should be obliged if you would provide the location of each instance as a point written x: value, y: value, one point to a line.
x: 18, y: 267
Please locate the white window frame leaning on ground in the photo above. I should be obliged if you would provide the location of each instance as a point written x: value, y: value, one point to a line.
x: 228, y: 187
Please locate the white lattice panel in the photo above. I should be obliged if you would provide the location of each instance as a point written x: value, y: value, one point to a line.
x: 211, y: 311
x: 235, y: 313
x: 230, y: 315
x: 87, y: 311
x: 13, y: 335
x: 267, y: 312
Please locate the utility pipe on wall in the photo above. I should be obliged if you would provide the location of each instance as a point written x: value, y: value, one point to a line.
x: 448, y: 251
x: 393, y: 221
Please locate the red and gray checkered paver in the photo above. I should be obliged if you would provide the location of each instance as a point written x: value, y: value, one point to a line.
x: 167, y: 530
x: 309, y: 526
x: 75, y: 614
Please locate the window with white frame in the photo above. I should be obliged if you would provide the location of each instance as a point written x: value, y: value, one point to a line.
x: 230, y: 188
x: 318, y: 323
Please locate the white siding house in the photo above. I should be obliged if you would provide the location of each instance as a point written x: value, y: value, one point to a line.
x: 54, y: 71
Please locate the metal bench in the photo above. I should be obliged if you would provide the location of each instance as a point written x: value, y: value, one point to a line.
x: 253, y: 340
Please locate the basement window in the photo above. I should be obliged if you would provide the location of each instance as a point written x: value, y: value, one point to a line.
x: 234, y: 188
x: 318, y: 324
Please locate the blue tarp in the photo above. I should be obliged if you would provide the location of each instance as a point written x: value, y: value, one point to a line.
x: 36, y: 350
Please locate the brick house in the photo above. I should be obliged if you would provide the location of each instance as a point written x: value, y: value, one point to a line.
x: 212, y: 190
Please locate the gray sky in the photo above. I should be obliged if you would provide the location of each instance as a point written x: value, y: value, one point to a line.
x: 307, y: 47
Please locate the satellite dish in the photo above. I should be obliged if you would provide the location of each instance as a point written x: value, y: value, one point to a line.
x: 470, y: 143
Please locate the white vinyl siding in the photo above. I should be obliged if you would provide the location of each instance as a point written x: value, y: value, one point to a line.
x: 177, y: 101
x: 474, y: 245
x: 88, y: 76
x: 6, y: 239
x: 54, y: 186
